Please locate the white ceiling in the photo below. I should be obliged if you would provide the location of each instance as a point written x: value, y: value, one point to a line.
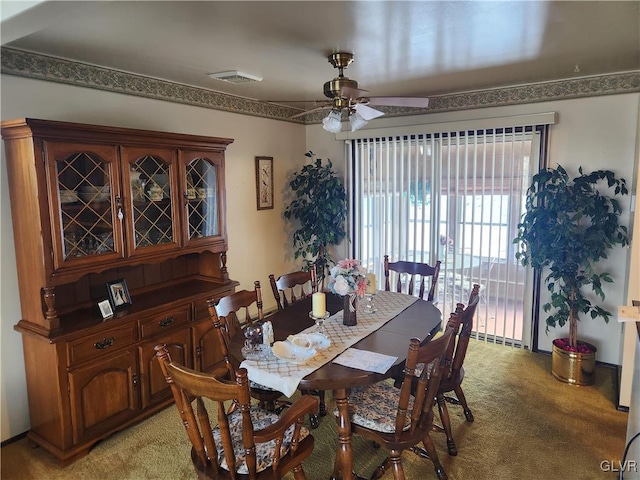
x: 401, y: 48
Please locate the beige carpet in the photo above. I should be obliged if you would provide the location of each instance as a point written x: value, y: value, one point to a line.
x: 527, y: 426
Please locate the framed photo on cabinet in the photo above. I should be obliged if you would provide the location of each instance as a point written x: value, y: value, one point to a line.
x: 118, y: 293
x: 264, y: 182
x: 105, y: 309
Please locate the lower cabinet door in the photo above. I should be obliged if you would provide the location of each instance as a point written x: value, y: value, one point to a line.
x: 153, y: 385
x: 103, y: 395
x: 206, y: 351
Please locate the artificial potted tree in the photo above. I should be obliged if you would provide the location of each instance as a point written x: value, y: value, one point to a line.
x: 320, y: 208
x: 568, y: 226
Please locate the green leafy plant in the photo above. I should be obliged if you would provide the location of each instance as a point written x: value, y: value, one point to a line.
x: 320, y: 207
x: 568, y: 226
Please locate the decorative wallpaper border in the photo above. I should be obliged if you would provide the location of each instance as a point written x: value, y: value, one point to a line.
x: 52, y: 69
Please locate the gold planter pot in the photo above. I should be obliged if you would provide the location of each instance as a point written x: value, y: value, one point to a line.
x: 574, y: 367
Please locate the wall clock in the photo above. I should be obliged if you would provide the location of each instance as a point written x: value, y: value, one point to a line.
x: 264, y: 182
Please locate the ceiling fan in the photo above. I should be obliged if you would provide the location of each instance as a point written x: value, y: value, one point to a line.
x: 346, y: 97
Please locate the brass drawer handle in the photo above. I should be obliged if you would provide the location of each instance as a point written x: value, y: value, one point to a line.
x: 104, y: 343
x: 165, y: 322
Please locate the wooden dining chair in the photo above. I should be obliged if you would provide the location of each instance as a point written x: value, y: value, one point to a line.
x: 288, y: 289
x: 454, y: 370
x: 394, y: 418
x: 246, y: 440
x: 226, y: 311
x: 292, y: 287
x: 243, y: 300
x: 421, y: 272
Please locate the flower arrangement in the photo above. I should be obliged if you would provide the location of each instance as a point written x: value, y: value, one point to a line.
x: 348, y: 277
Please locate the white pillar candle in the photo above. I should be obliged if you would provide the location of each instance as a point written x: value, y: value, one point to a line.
x: 371, y: 286
x: 319, y: 303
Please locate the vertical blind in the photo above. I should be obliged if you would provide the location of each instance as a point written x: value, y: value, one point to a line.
x: 455, y: 196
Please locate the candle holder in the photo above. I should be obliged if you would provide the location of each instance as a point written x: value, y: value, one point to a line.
x: 320, y: 322
x: 369, y: 305
x: 253, y: 335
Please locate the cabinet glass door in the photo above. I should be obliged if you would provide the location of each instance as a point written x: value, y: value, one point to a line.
x: 151, y: 198
x: 85, y: 203
x: 202, y: 199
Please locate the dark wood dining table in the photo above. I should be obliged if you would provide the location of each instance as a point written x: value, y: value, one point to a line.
x: 421, y: 319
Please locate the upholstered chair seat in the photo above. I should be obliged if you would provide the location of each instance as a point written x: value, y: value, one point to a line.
x: 264, y: 451
x: 375, y: 407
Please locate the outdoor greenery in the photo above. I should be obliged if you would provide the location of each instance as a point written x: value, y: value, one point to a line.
x: 569, y: 225
x: 320, y: 207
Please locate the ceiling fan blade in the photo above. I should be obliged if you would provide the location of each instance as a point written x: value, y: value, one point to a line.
x: 280, y: 102
x: 306, y: 112
x: 352, y: 93
x: 367, y: 113
x: 420, y: 102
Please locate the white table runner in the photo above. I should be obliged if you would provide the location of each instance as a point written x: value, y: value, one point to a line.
x: 285, y: 376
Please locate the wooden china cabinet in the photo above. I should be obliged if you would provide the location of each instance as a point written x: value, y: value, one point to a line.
x: 94, y: 204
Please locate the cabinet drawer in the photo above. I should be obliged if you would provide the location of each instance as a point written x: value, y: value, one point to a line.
x: 158, y: 323
x: 100, y: 344
x: 201, y: 309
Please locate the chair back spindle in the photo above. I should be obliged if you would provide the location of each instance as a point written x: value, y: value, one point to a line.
x: 224, y: 339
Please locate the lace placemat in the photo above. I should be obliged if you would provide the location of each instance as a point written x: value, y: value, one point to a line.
x: 285, y: 376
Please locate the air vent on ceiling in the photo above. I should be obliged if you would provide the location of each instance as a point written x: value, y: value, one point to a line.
x: 234, y: 76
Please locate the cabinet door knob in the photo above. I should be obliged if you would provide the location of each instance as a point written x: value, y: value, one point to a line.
x: 104, y: 343
x: 165, y: 322
x: 119, y: 205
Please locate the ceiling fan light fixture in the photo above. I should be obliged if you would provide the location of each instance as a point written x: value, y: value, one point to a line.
x: 356, y: 121
x: 348, y: 99
x: 333, y: 121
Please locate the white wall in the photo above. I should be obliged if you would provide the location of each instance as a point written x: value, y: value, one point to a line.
x: 258, y: 244
x: 598, y: 132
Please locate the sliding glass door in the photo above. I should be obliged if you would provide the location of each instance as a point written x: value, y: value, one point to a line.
x: 455, y: 197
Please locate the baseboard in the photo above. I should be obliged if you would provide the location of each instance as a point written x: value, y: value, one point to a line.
x: 11, y: 440
x: 499, y: 340
x: 618, y: 378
